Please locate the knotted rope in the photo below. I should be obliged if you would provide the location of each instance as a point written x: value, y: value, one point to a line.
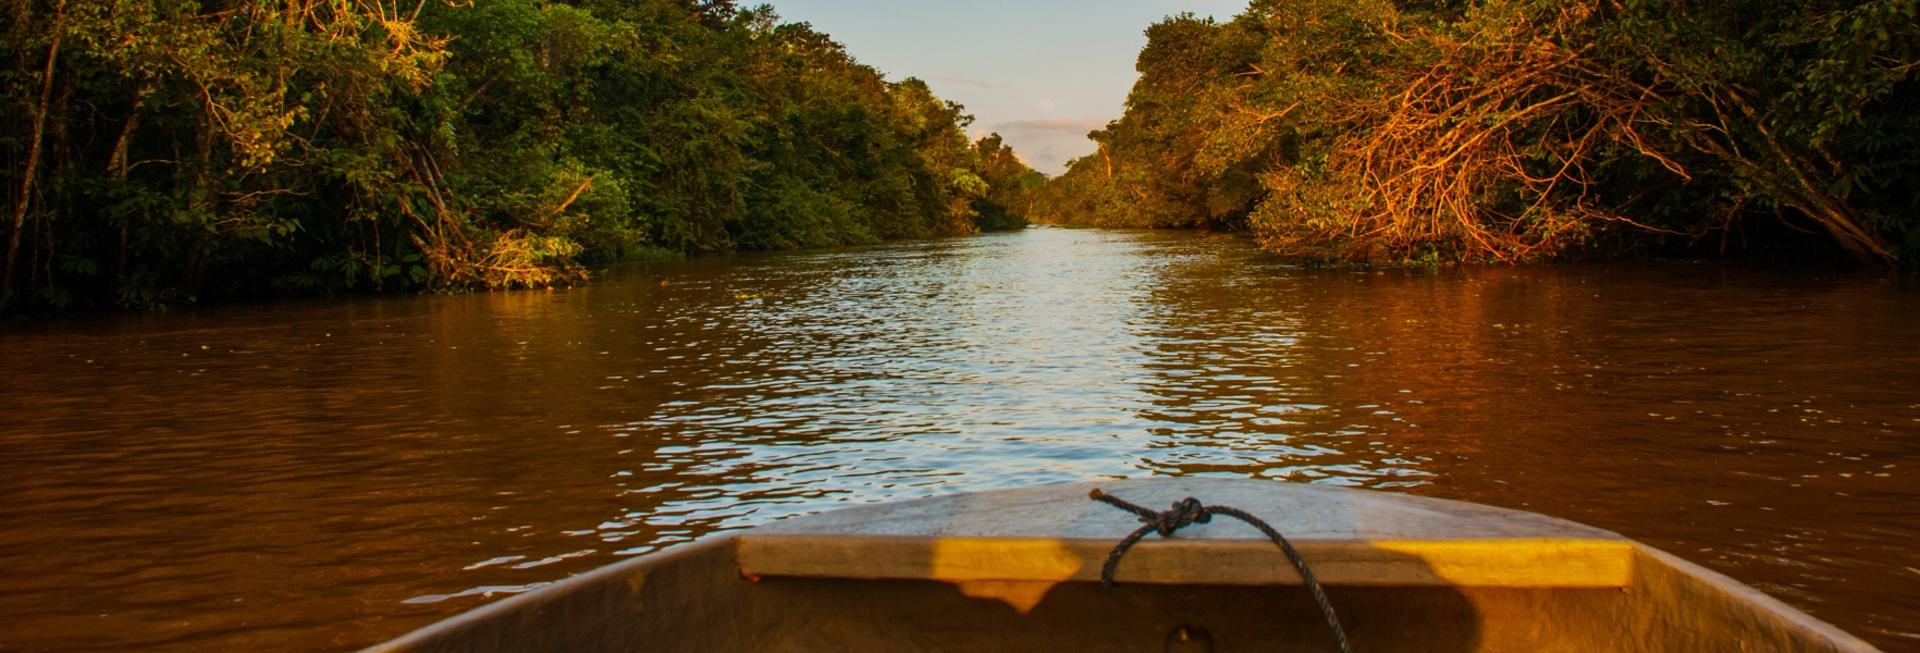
x: 1189, y: 511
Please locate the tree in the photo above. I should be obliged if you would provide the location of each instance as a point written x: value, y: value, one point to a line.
x: 1519, y: 129
x: 184, y: 149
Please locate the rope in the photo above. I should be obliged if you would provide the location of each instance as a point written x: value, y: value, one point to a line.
x: 1189, y: 511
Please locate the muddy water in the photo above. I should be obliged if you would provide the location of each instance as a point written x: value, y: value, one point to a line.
x: 323, y: 475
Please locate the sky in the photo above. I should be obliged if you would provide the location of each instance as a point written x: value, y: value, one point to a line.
x: 1041, y: 73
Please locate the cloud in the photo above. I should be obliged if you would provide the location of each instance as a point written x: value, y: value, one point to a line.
x: 1048, y: 143
x: 968, y: 81
x: 1051, y: 126
x: 1046, y: 104
x: 1047, y: 160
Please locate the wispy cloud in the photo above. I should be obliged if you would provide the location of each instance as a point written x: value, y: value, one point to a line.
x: 1052, y: 126
x: 968, y: 81
x: 1048, y: 143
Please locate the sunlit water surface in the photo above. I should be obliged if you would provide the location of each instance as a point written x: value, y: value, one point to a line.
x: 323, y: 475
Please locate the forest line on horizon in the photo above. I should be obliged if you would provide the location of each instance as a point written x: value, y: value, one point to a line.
x: 1438, y: 131
x: 183, y: 150
x: 173, y: 151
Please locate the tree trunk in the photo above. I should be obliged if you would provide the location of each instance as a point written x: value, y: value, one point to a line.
x: 117, y: 170
x: 117, y: 161
x: 33, y: 151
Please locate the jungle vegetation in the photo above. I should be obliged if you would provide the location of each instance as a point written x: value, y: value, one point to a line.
x: 168, y: 150
x: 1514, y: 130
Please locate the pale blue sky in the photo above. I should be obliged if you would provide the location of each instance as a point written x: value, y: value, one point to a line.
x: 1042, y: 73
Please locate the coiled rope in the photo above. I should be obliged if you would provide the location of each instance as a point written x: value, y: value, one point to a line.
x: 1189, y: 511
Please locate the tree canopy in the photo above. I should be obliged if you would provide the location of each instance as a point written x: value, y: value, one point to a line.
x: 167, y: 150
x: 1511, y: 130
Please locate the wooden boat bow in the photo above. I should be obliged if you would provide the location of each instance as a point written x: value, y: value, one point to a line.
x: 1019, y: 570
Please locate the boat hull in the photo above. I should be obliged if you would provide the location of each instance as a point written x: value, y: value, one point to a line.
x: 1018, y: 570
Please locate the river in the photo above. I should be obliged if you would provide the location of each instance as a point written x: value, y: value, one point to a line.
x: 323, y: 475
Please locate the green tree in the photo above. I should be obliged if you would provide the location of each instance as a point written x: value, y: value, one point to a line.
x: 183, y: 149
x: 1519, y: 129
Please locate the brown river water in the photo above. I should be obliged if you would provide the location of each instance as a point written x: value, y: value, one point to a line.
x: 324, y: 475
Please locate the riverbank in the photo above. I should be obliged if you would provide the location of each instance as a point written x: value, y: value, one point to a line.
x: 1520, y: 131
x: 169, y: 155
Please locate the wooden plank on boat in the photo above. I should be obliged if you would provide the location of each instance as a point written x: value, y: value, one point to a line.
x: 1057, y: 533
x: 1534, y: 563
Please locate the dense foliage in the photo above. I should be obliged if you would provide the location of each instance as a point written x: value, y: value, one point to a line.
x: 170, y: 149
x: 1393, y: 130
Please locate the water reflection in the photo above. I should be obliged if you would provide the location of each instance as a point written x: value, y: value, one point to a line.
x: 323, y: 475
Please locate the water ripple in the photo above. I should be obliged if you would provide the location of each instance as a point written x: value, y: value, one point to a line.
x: 324, y: 475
